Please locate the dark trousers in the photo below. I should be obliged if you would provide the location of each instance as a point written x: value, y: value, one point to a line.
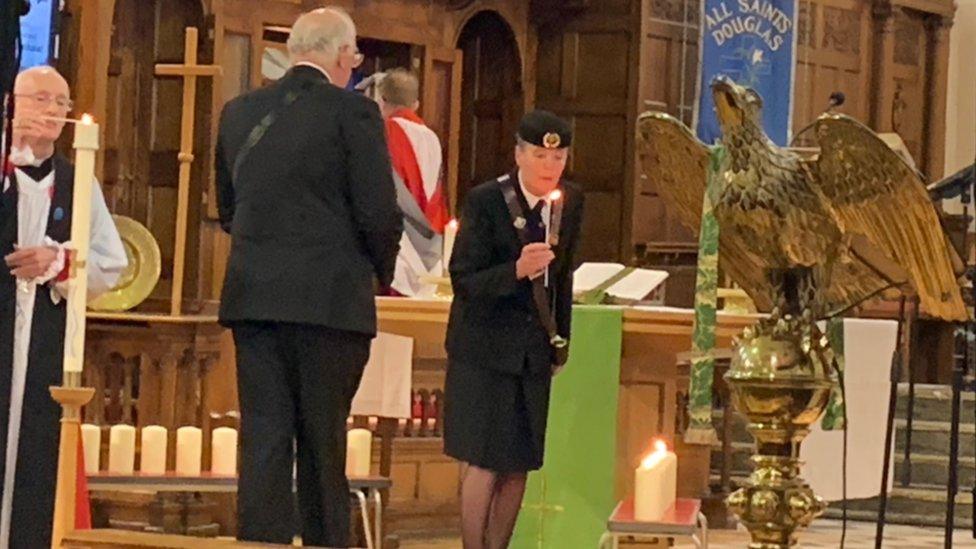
x: 296, y: 383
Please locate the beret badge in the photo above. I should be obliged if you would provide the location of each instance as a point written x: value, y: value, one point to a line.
x: 551, y: 140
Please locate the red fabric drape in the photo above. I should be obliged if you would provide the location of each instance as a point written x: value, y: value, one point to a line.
x: 405, y: 165
x: 82, y: 502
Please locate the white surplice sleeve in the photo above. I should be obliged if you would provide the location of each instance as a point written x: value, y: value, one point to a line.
x: 106, y: 255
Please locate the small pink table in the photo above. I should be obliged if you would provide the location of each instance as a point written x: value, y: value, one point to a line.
x: 683, y: 519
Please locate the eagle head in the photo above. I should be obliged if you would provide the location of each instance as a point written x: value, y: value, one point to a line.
x: 736, y: 106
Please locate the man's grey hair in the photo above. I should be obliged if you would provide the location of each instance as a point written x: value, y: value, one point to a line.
x: 324, y: 30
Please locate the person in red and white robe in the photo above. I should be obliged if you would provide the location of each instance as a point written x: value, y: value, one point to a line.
x: 416, y: 155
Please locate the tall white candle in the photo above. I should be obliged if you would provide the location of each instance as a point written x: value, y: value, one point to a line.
x: 450, y: 234
x: 85, y: 145
x: 154, y: 443
x: 122, y: 449
x: 189, y: 450
x: 91, y: 437
x: 223, y: 454
x: 359, y: 452
x: 553, y: 223
x: 655, y: 486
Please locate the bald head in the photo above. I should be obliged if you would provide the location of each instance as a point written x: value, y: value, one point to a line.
x: 41, y: 79
x: 42, y: 100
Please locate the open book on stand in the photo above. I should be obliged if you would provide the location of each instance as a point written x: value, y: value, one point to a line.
x: 613, y: 283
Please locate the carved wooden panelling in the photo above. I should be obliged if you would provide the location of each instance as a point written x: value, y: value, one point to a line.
x: 804, y: 24
x: 909, y: 35
x: 678, y: 11
x: 842, y: 30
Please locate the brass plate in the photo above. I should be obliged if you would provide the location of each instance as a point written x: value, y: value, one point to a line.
x: 138, y: 279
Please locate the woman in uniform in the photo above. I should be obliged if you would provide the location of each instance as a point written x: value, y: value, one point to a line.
x: 512, y: 273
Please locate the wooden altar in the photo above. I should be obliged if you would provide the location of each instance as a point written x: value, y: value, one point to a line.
x: 175, y: 371
x: 651, y: 403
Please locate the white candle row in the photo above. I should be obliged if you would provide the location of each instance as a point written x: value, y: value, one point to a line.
x: 189, y: 451
x: 122, y: 450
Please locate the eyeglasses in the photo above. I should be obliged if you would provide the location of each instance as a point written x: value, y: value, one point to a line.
x: 42, y: 99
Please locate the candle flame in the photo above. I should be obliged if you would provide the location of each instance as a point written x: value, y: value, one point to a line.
x: 555, y: 195
x: 87, y: 119
x: 652, y: 458
x: 453, y: 224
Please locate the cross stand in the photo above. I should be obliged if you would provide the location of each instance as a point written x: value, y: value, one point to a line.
x: 965, y: 357
x: 189, y: 71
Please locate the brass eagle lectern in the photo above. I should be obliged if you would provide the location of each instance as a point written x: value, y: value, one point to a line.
x: 807, y: 239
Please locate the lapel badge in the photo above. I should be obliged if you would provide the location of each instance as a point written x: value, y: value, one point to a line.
x: 551, y: 140
x: 58, y: 213
x: 519, y: 223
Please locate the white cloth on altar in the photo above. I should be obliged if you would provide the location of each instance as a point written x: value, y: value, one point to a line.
x: 106, y: 261
x: 385, y: 388
x: 868, y: 349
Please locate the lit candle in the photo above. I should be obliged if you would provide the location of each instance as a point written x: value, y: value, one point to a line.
x: 450, y: 234
x: 154, y: 443
x: 655, y: 486
x: 223, y: 455
x: 91, y: 436
x: 416, y: 424
x: 552, y: 227
x: 373, y: 422
x: 430, y: 423
x: 359, y: 452
x: 189, y: 441
x: 122, y: 449
x: 85, y: 145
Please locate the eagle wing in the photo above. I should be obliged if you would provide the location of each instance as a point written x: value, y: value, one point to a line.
x: 875, y: 194
x: 677, y: 163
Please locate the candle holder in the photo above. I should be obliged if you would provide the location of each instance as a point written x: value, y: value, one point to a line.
x: 780, y: 378
x: 444, y: 289
x: 71, y: 396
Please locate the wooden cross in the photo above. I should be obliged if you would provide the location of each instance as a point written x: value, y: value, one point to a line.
x: 189, y: 71
x: 544, y: 509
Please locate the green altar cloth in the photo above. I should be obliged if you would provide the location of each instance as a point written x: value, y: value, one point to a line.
x: 568, y: 501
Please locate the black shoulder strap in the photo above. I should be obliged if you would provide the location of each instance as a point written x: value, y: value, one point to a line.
x: 258, y: 131
x: 539, y: 294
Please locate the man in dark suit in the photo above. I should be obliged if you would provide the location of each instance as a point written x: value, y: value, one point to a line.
x: 305, y: 190
x: 512, y: 273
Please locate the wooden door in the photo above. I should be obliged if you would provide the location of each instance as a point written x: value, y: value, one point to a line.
x: 911, y: 107
x: 668, y: 79
x: 587, y: 73
x: 492, y: 100
x: 143, y: 128
x: 441, y: 109
x: 833, y: 45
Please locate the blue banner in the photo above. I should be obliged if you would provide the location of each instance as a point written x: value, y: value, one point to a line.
x: 36, y: 34
x: 753, y: 42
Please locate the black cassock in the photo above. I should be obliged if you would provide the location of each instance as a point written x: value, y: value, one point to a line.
x: 499, y: 357
x: 37, y: 456
x: 27, y: 508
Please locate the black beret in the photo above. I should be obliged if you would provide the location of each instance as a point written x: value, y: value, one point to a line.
x: 544, y: 129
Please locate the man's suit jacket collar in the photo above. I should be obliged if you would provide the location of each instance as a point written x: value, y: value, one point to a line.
x: 309, y: 70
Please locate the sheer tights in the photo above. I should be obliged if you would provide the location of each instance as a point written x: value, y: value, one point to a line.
x: 490, y: 504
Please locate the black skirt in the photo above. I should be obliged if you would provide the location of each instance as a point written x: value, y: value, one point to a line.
x: 494, y: 420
